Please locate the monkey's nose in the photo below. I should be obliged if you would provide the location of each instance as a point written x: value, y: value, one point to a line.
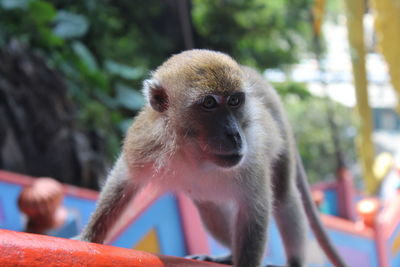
x: 236, y: 139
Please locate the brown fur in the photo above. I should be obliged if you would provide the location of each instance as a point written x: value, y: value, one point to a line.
x: 205, y: 70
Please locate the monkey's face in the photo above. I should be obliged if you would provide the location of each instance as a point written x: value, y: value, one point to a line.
x: 216, y: 128
x: 200, y: 94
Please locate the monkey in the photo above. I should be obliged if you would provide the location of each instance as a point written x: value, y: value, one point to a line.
x: 216, y: 131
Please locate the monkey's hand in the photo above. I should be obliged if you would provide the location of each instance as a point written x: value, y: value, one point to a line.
x: 224, y: 259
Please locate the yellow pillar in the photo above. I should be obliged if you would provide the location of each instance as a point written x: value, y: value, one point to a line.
x: 354, y: 12
x: 387, y: 25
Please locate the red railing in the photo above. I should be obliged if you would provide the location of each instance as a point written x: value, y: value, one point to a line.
x: 29, y: 250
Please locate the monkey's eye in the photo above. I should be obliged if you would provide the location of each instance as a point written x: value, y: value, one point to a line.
x: 235, y: 100
x: 209, y: 102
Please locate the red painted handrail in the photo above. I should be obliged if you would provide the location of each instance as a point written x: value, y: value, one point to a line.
x: 31, y: 250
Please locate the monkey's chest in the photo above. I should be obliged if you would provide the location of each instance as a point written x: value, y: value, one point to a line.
x: 202, y: 187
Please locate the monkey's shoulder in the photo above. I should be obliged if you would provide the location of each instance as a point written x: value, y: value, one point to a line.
x: 145, y: 140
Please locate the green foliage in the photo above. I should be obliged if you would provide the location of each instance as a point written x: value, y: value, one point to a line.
x: 69, y: 25
x: 308, y: 118
x: 289, y: 88
x: 334, y: 8
x: 59, y: 31
x: 259, y: 33
x: 29, y: 20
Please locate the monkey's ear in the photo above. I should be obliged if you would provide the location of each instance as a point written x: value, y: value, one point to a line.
x: 156, y: 95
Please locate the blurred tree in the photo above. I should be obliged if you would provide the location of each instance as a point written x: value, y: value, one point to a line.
x: 38, y: 133
x: 317, y: 19
x: 258, y: 33
x: 312, y: 132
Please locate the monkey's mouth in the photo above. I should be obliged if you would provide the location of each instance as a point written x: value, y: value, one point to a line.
x: 227, y: 160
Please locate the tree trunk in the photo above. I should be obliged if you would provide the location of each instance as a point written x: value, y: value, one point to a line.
x: 37, y: 123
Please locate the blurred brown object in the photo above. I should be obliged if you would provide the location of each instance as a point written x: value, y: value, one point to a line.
x: 41, y: 202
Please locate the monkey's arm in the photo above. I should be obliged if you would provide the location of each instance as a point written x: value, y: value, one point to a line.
x: 114, y: 197
x: 217, y: 220
x: 250, y: 230
x: 288, y: 210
